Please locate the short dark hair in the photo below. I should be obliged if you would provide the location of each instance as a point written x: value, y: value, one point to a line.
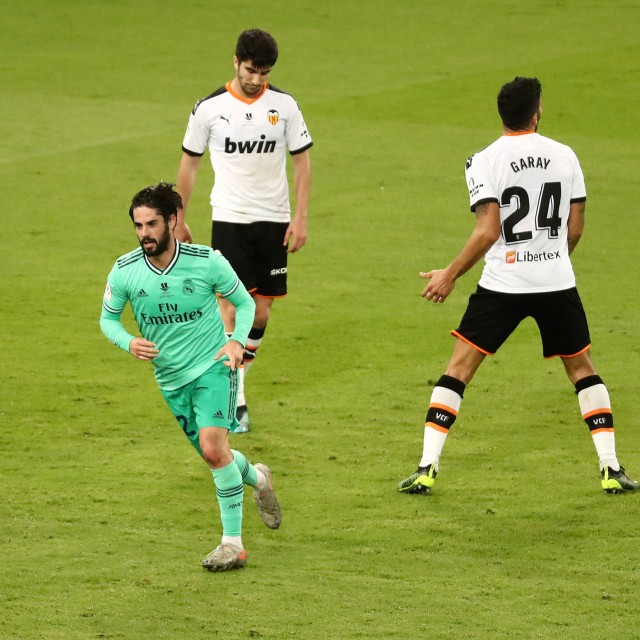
x: 162, y: 197
x: 258, y: 47
x: 518, y: 100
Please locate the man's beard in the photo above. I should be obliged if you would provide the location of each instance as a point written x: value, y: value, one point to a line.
x: 161, y: 245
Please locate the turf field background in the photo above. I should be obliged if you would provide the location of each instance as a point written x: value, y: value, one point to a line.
x: 105, y: 511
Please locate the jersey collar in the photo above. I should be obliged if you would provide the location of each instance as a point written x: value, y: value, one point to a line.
x: 170, y: 266
x: 237, y: 96
x: 511, y: 134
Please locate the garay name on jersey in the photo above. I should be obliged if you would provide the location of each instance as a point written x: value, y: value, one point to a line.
x: 529, y: 163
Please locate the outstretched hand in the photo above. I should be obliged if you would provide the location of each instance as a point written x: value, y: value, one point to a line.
x: 440, y: 285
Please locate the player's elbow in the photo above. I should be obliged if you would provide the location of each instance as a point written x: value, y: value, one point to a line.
x: 488, y: 236
x: 574, y: 234
x: 573, y: 239
x: 104, y: 325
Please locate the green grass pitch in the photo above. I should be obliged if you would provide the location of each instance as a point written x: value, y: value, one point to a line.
x: 105, y: 511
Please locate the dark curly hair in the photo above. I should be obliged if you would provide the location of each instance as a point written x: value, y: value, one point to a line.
x: 162, y: 197
x: 518, y: 100
x: 258, y: 47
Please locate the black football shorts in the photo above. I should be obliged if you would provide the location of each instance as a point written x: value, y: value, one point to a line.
x: 257, y: 254
x: 492, y: 316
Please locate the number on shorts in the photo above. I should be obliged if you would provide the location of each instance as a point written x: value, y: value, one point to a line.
x: 184, y: 423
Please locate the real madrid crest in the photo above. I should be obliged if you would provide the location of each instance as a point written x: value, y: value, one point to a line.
x: 188, y: 288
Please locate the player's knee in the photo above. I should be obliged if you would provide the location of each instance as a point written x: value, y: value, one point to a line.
x: 214, y: 455
x: 579, y: 367
x: 261, y: 316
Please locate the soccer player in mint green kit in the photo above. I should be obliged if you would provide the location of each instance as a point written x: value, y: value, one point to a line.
x: 172, y: 289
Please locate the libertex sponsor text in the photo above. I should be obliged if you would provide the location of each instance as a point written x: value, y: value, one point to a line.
x: 511, y: 257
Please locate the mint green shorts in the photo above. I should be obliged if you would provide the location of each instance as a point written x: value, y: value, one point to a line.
x: 208, y: 401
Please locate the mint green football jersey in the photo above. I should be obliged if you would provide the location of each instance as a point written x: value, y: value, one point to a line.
x: 176, y: 308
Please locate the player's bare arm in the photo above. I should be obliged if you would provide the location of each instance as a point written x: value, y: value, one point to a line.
x: 233, y: 351
x: 186, y: 180
x: 575, y: 224
x: 143, y: 349
x: 296, y: 234
x: 485, y: 233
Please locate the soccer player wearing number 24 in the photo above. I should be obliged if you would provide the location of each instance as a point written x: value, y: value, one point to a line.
x: 172, y: 289
x: 528, y: 195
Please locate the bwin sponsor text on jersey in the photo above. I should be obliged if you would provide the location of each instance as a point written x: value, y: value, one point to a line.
x: 250, y: 146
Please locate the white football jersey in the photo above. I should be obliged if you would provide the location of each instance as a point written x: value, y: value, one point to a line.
x: 534, y: 180
x: 248, y: 140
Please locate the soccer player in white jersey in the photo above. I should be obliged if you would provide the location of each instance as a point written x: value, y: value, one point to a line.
x: 172, y: 289
x: 528, y: 195
x: 249, y: 125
